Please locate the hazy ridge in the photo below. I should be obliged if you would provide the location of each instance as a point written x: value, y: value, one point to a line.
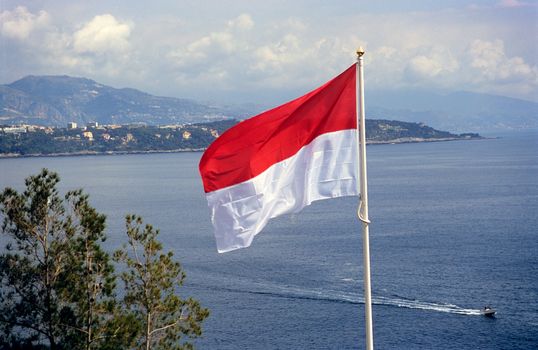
x: 57, y: 100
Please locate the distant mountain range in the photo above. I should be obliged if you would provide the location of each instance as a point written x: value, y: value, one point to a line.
x: 456, y: 112
x: 57, y: 100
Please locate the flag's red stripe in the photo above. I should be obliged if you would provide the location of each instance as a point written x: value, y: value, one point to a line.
x: 252, y: 146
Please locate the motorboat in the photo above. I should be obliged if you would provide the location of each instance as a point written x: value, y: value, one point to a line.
x: 488, y: 311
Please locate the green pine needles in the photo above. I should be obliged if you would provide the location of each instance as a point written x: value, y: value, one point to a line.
x: 58, y: 286
x: 151, y: 281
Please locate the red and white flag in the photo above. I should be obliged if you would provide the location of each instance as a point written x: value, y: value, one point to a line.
x: 282, y: 160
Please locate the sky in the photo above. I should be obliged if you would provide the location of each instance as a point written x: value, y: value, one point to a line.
x: 241, y: 51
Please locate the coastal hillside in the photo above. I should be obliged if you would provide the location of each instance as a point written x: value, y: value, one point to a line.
x: 103, y: 139
x: 57, y: 100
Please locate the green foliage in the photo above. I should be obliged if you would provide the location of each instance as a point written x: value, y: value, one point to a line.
x: 137, y: 138
x: 58, y: 284
x: 31, y: 270
x: 392, y: 130
x: 90, y: 279
x: 113, y: 139
x: 151, y: 280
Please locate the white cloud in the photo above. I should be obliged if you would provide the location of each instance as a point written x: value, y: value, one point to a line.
x: 430, y: 51
x: 215, y: 47
x: 432, y: 64
x: 423, y: 66
x: 20, y: 23
x: 279, y: 54
x: 387, y: 51
x: 276, y: 56
x: 242, y: 22
x: 511, y: 3
x: 490, y: 61
x: 491, y: 70
x: 265, y: 53
x: 102, y: 34
x: 99, y: 48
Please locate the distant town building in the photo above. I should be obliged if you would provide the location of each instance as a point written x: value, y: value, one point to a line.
x: 14, y: 129
x: 71, y: 125
x: 171, y: 126
x: 128, y: 138
x: 214, y: 133
x: 186, y: 135
x: 88, y: 135
x: 92, y: 124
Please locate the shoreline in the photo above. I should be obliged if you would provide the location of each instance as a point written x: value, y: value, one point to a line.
x: 181, y: 150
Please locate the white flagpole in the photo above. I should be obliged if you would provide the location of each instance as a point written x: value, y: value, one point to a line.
x: 363, y: 204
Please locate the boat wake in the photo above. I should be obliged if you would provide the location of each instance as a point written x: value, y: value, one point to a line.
x: 424, y: 305
x: 291, y: 292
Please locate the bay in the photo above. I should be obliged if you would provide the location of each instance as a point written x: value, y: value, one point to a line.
x: 454, y: 228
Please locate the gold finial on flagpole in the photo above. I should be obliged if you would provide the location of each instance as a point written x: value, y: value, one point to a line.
x: 360, y: 51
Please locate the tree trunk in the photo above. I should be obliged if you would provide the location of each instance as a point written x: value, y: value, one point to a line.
x: 148, y: 331
x: 89, y: 296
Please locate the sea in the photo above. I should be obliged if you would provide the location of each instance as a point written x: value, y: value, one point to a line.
x: 454, y: 228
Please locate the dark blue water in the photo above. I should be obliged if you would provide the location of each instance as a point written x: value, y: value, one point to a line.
x: 455, y: 227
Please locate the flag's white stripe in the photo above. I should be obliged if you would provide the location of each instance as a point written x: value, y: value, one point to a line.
x: 325, y: 168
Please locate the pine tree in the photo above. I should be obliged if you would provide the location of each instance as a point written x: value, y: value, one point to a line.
x: 91, y: 281
x: 57, y: 283
x: 31, y: 271
x: 58, y: 286
x: 151, y: 280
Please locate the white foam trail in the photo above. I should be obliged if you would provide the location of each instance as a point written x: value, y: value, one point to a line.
x: 376, y: 300
x: 287, y: 291
x: 348, y: 280
x: 423, y: 305
x: 394, y: 301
